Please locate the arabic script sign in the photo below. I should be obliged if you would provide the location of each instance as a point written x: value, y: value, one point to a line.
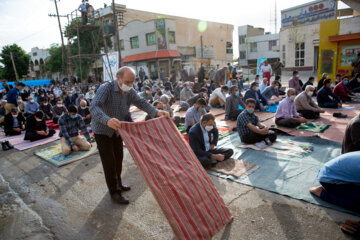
x: 313, y: 12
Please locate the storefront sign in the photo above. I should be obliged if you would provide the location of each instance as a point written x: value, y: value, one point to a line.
x: 349, y: 54
x: 160, y: 33
x: 308, y: 13
x: 327, y: 58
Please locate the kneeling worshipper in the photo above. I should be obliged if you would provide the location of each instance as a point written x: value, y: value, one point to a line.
x: 218, y: 96
x: 305, y: 104
x: 341, y: 90
x: 340, y: 181
x: 286, y: 114
x: 14, y: 122
x: 58, y: 110
x: 326, y: 98
x: 36, y: 128
x: 232, y: 103
x: 351, y: 140
x: 251, y: 130
x: 84, y: 112
x: 271, y: 93
x: 203, y: 138
x: 254, y: 93
x: 194, y: 113
x: 70, y: 123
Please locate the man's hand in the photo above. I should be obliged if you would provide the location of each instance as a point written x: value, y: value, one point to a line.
x: 218, y: 157
x: 262, y: 108
x: 41, y: 133
x: 321, y: 110
x: 75, y: 148
x: 264, y: 131
x: 212, y: 146
x: 17, y: 129
x: 113, y: 123
x: 162, y: 113
x: 300, y: 119
x: 339, y: 105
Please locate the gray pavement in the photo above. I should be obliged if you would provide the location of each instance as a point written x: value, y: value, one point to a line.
x: 41, y: 201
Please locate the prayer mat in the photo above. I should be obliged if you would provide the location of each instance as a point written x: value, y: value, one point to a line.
x: 315, y: 127
x: 282, y: 146
x: 236, y: 168
x: 52, y: 125
x: 53, y: 155
x: 270, y: 109
x: 179, y: 183
x: 346, y: 108
x: 279, y: 173
x: 20, y: 144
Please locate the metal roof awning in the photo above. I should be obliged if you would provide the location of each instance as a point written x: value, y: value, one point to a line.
x: 345, y: 37
x: 152, y: 55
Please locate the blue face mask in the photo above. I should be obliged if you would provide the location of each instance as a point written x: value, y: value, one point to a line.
x: 70, y: 95
x: 73, y: 116
x: 83, y: 108
x: 189, y: 87
x: 346, y: 82
x: 237, y: 93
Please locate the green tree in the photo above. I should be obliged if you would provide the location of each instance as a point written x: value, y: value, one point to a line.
x: 54, y: 63
x: 21, y: 60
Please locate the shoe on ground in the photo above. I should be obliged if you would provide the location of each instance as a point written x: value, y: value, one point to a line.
x: 268, y: 142
x: 339, y: 115
x: 125, y: 188
x: 261, y: 144
x: 120, y: 199
x: 9, y: 145
x: 4, y: 146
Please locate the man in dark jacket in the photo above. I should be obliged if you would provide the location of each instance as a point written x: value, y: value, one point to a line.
x: 354, y: 84
x: 254, y: 93
x: 46, y: 108
x: 326, y: 98
x: 351, y: 140
x: 14, y: 123
x: 203, y: 137
x: 36, y: 128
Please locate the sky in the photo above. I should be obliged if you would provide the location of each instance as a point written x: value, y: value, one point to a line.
x: 26, y: 22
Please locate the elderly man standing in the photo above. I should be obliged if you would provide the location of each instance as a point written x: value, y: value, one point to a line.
x: 286, y: 114
x: 109, y: 107
x: 306, y: 106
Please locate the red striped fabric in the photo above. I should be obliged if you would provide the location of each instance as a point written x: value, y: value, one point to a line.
x: 176, y: 178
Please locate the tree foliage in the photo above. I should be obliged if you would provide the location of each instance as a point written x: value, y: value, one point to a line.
x: 54, y: 63
x: 21, y: 59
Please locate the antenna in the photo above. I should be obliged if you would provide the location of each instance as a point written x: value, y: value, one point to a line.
x: 275, y: 17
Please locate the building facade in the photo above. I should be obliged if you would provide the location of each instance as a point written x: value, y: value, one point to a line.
x: 37, y: 59
x: 254, y: 43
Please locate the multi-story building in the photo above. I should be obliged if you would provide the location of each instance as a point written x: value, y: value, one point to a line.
x: 37, y: 59
x: 254, y: 43
x: 152, y: 41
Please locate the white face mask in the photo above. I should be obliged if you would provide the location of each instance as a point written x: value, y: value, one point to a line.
x: 15, y: 116
x: 257, y: 89
x: 292, y: 97
x: 310, y: 94
x: 125, y: 88
x: 257, y: 81
x: 39, y: 120
x: 332, y: 85
x: 31, y: 101
x: 250, y: 110
x: 209, y: 128
x: 59, y: 105
x: 297, y: 76
x: 45, y: 104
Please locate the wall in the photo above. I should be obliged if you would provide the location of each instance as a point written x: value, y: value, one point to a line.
x: 349, y: 25
x: 263, y: 46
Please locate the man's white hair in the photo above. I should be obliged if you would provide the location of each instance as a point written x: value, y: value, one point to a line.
x: 289, y: 90
x: 308, y: 87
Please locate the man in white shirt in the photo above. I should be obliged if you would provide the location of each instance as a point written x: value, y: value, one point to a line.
x: 263, y: 85
x: 266, y: 71
x: 218, y: 96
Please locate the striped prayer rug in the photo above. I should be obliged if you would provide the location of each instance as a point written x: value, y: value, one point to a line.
x: 179, y: 183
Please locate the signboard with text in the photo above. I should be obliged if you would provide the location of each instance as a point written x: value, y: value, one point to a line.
x: 111, y: 66
x: 327, y: 57
x: 349, y: 54
x: 310, y: 13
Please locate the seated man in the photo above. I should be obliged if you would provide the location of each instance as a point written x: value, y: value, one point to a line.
x: 202, y: 94
x: 14, y: 123
x: 185, y: 94
x: 340, y: 181
x: 254, y: 93
x: 309, y: 82
x: 36, y: 128
x: 146, y: 94
x: 158, y: 105
x: 306, y: 106
x: 58, y: 110
x: 251, y: 130
x: 84, y: 112
x: 158, y: 94
x: 194, y: 113
x: 165, y: 100
x: 31, y: 107
x: 326, y: 98
x: 2, y: 111
x: 354, y: 84
x: 203, y: 137
x: 286, y: 114
x: 342, y: 91
x: 168, y: 93
x: 263, y: 84
x: 351, y: 140
x: 218, y: 96
x: 46, y: 108
x: 70, y: 123
x: 272, y: 92
x: 232, y: 103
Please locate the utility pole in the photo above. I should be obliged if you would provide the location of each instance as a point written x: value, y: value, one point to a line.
x: 116, y: 32
x: 61, y: 34
x: 201, y: 45
x: 13, y: 63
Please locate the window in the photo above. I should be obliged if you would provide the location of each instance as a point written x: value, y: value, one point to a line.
x: 229, y: 50
x: 150, y: 39
x: 272, y: 43
x: 299, y: 54
x: 284, y: 54
x: 253, y: 47
x: 242, y: 54
x: 122, y: 44
x: 171, y: 37
x: 134, y: 42
x: 242, y: 39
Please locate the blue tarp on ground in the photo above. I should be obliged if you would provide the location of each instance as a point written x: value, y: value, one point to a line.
x: 31, y: 83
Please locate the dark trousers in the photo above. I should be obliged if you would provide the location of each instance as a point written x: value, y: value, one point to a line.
x: 356, y: 90
x: 207, y: 161
x: 234, y: 114
x: 11, y: 133
x: 328, y: 105
x: 254, y: 137
x: 111, y: 154
x: 35, y: 137
x: 287, y: 122
x: 344, y: 195
x: 308, y: 114
x: 55, y: 120
x: 84, y: 18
